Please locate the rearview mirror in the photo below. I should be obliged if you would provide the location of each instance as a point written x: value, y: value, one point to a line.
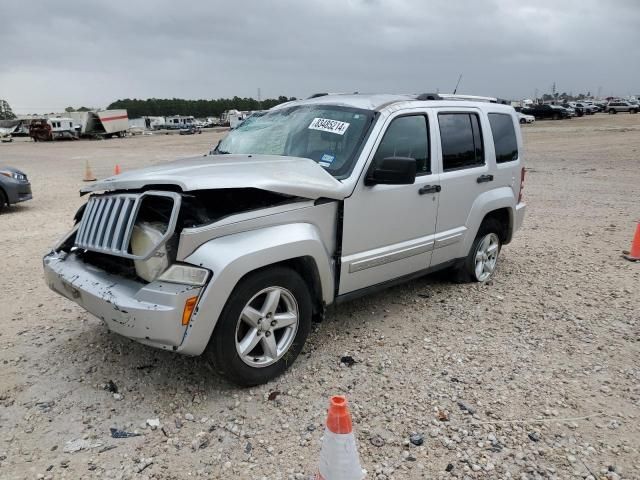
x: 392, y: 171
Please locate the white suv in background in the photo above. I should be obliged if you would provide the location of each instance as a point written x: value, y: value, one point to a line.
x: 315, y: 202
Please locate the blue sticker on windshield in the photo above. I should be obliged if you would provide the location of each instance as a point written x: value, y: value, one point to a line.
x: 326, y: 160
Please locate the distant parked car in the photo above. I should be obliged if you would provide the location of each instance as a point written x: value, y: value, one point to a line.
x: 5, y: 136
x: 14, y: 187
x: 192, y: 130
x: 622, y: 106
x: 554, y: 112
x: 523, y: 118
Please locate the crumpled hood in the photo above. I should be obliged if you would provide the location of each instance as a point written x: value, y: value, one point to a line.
x: 295, y: 176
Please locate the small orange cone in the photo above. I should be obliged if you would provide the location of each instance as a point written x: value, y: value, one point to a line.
x: 634, y: 253
x: 339, y: 458
x: 88, y: 174
x: 117, y: 170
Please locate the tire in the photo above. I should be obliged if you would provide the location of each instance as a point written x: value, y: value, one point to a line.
x: 234, y: 328
x: 612, y: 111
x: 522, y: 121
x: 3, y: 200
x: 468, y: 272
x: 633, y: 111
x: 556, y: 116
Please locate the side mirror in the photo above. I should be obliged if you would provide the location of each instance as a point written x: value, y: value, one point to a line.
x: 392, y: 171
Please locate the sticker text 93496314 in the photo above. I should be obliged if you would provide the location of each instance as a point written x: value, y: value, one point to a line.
x: 328, y: 125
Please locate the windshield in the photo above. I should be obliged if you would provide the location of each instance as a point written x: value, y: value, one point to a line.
x: 329, y: 135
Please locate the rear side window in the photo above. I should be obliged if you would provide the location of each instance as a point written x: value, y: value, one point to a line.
x: 504, y: 137
x: 461, y: 139
x: 407, y: 137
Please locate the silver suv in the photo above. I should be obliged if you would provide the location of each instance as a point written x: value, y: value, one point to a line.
x: 622, y: 106
x: 233, y: 254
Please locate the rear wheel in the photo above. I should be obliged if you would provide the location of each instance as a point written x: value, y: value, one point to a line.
x: 612, y: 111
x: 482, y: 260
x: 633, y: 110
x: 262, y: 328
x: 556, y: 116
x: 522, y: 121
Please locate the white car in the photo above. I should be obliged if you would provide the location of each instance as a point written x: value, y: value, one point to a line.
x: 523, y: 118
x: 5, y: 135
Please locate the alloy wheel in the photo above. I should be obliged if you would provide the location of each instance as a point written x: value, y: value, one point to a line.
x: 267, y: 327
x: 487, y: 256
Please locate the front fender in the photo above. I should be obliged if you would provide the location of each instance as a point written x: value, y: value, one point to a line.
x: 233, y: 256
x: 487, y: 202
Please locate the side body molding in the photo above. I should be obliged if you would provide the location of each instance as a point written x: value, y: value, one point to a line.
x: 231, y: 257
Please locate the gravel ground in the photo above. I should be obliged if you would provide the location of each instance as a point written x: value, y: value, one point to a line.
x: 533, y: 375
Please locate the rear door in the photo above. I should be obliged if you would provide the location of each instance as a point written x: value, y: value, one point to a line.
x: 465, y: 175
x: 389, y: 229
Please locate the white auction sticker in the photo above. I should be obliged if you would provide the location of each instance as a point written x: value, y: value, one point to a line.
x: 328, y: 125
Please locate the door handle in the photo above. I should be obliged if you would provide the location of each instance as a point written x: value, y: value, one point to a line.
x: 485, y: 178
x: 429, y: 189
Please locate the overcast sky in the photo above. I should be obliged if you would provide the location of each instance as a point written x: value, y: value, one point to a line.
x: 56, y: 54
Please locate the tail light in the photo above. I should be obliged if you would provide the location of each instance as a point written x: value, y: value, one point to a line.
x: 522, y: 174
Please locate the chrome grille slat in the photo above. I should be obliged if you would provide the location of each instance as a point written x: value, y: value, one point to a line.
x: 95, y: 221
x: 107, y: 223
x: 118, y: 234
x: 84, y: 229
x: 108, y: 234
x: 104, y: 219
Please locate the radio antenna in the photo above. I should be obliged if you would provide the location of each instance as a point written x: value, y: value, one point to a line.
x: 457, y: 84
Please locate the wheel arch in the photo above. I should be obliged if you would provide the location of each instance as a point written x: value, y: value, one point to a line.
x: 498, y: 203
x: 233, y: 257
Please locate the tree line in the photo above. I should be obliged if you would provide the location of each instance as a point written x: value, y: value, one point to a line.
x: 5, y: 111
x: 163, y: 107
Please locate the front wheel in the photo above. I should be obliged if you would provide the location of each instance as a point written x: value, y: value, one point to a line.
x: 633, y: 110
x: 262, y: 328
x: 3, y: 200
x: 482, y: 260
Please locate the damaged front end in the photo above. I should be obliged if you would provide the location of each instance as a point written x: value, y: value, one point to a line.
x: 119, y: 260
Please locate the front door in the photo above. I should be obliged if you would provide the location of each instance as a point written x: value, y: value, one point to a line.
x: 389, y: 229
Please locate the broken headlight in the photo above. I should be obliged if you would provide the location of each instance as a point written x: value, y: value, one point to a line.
x: 145, y: 237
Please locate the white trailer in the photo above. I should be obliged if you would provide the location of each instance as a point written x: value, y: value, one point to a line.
x: 103, y: 123
x: 62, y: 127
x: 179, y: 121
x: 114, y: 122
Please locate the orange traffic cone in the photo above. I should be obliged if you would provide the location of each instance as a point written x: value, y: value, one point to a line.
x: 339, y: 455
x: 634, y: 253
x: 88, y: 174
x: 117, y: 170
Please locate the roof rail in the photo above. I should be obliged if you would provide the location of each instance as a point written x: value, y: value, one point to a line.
x: 473, y: 98
x: 317, y: 95
x: 428, y: 96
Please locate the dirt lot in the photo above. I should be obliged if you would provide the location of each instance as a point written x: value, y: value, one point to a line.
x: 537, y: 372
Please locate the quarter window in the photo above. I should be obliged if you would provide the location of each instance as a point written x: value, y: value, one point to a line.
x: 407, y: 137
x: 504, y: 137
x: 461, y: 140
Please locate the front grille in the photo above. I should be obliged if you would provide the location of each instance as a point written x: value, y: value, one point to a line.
x: 108, y: 220
x: 106, y: 224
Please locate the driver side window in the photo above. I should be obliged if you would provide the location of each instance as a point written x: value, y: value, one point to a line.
x: 407, y: 137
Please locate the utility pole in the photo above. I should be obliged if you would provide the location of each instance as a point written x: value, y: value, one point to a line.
x: 259, y: 99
